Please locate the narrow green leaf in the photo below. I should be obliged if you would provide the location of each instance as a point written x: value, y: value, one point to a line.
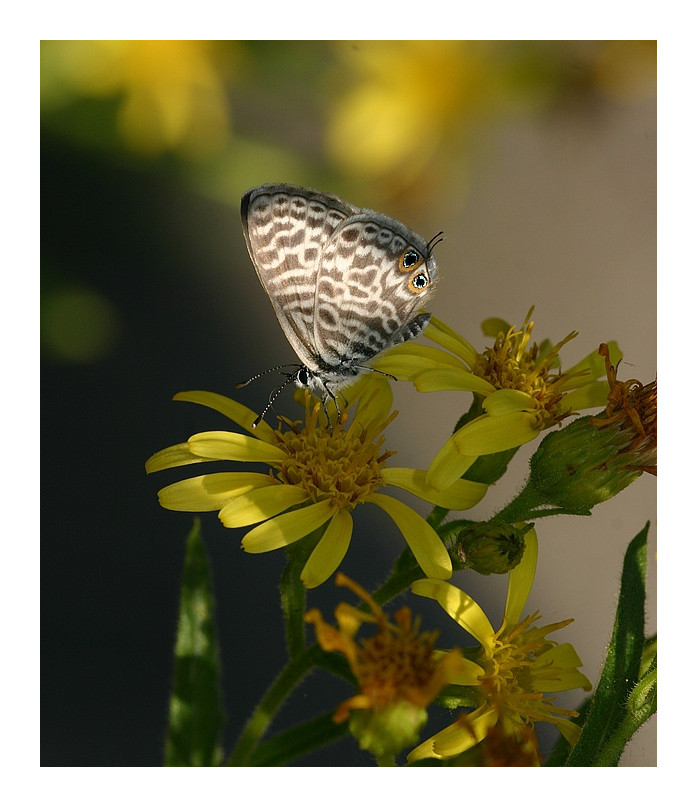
x: 608, y: 709
x: 195, y: 711
x: 296, y: 742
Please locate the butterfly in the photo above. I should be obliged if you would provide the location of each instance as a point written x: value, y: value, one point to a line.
x: 345, y: 282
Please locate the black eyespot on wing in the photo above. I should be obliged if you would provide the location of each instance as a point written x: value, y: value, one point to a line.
x: 419, y: 282
x: 410, y: 260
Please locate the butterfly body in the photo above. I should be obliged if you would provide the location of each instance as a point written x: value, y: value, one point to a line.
x: 345, y: 283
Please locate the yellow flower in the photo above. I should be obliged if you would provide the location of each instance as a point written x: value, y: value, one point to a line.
x: 397, y: 671
x: 518, y: 664
x: 317, y: 477
x: 442, y: 79
x: 518, y: 384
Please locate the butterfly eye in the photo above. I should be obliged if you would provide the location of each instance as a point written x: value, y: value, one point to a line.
x: 419, y: 282
x: 410, y: 259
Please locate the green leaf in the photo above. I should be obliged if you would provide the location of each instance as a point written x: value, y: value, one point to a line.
x: 296, y: 742
x: 610, y: 723
x: 195, y: 710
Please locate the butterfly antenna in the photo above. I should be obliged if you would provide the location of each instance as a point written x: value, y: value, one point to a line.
x: 259, y: 375
x: 273, y: 395
x: 434, y: 241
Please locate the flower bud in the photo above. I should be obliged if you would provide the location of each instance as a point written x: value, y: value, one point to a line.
x: 386, y: 732
x: 491, y: 548
x: 581, y: 465
x: 594, y: 458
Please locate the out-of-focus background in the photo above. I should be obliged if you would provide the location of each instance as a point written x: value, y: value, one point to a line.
x: 538, y: 161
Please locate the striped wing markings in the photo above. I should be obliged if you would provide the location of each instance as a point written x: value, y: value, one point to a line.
x: 362, y: 297
x: 285, y: 229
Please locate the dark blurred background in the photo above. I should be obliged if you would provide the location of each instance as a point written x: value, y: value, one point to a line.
x: 537, y: 159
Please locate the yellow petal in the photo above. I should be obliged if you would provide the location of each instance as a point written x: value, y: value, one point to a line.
x: 260, y: 504
x: 233, y: 446
x: 404, y: 361
x: 431, y: 380
x: 461, y: 495
x: 237, y: 412
x: 504, y: 401
x: 330, y: 550
x: 458, y: 605
x: 210, y: 491
x: 446, y: 337
x: 520, y: 580
x: 447, y: 466
x: 466, y: 674
x: 287, y: 528
x: 423, y: 540
x: 172, y: 457
x: 557, y: 670
x: 488, y: 435
x: 459, y: 737
x: 456, y: 738
x: 569, y: 731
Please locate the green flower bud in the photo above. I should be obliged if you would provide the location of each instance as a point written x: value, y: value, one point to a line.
x: 385, y: 732
x: 491, y: 548
x: 582, y: 465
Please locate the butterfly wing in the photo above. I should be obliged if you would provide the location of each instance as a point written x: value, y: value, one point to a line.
x: 374, y: 275
x: 286, y: 228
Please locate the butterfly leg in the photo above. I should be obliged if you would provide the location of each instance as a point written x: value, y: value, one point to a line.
x: 328, y: 393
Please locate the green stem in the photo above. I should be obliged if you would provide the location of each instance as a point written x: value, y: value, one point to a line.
x: 436, y: 516
x: 293, y: 591
x: 264, y: 713
x: 522, y: 508
x: 293, y: 605
x: 610, y: 753
x: 400, y: 580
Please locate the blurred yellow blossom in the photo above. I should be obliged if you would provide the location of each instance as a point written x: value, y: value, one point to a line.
x: 402, y: 106
x: 172, y: 94
x: 405, y: 96
x: 396, y: 669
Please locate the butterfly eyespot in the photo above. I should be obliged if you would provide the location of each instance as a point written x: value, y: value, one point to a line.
x: 419, y: 282
x: 410, y: 259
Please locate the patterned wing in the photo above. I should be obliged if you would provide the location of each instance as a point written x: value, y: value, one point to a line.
x: 374, y: 275
x: 286, y: 227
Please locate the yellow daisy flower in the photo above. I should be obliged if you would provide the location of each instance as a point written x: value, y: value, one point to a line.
x: 317, y: 476
x: 397, y: 671
x: 518, y: 664
x: 520, y: 386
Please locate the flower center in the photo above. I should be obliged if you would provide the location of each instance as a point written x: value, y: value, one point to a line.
x: 395, y: 661
x: 343, y: 464
x: 512, y: 363
x: 511, y: 669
